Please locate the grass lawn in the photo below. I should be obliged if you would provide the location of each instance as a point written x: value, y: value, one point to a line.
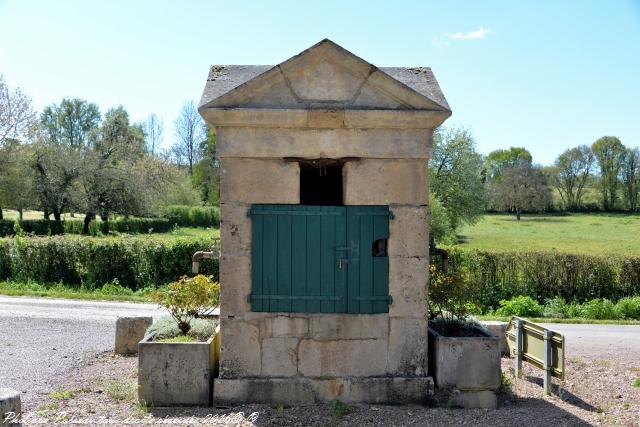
x: 61, y: 291
x: 577, y: 233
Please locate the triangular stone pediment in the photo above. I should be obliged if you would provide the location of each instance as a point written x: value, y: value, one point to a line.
x: 325, y: 76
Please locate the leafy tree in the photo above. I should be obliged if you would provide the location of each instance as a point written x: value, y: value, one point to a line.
x: 609, y: 153
x: 109, y: 170
x: 570, y: 174
x: 439, y: 222
x: 17, y: 122
x: 16, y: 177
x: 631, y: 177
x: 190, y: 131
x: 70, y: 123
x: 497, y: 161
x: 56, y: 168
x: 153, y: 132
x: 206, y: 173
x: 523, y: 188
x: 456, y: 175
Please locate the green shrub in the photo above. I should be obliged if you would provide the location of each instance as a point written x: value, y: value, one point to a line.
x: 599, y: 309
x: 556, y: 307
x: 520, y: 306
x: 166, y: 328
x: 76, y: 262
x: 629, y: 308
x: 450, y: 294
x: 45, y: 227
x: 188, y: 298
x: 192, y: 216
x: 544, y: 275
x: 573, y: 310
x: 115, y: 289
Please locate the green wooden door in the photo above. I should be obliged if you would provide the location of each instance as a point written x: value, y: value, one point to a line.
x: 319, y: 259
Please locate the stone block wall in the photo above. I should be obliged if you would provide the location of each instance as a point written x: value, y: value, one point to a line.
x: 324, y: 345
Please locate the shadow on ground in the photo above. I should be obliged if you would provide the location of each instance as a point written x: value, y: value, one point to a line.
x: 524, y: 411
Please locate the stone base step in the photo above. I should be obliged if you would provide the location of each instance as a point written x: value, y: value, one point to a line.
x: 299, y: 391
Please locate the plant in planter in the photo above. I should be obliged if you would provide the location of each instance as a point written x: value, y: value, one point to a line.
x: 177, y: 358
x: 463, y: 357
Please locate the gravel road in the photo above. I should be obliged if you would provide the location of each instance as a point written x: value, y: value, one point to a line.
x: 43, y: 338
x: 606, y: 342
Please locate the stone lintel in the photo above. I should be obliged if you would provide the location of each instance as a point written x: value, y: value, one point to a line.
x: 253, y: 142
x: 323, y: 118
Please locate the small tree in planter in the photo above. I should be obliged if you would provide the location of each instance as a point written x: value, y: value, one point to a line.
x: 463, y: 357
x: 189, y: 298
x: 174, y: 372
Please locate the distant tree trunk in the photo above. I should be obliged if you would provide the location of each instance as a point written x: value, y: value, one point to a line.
x: 47, y: 214
x: 20, y: 212
x: 104, y: 216
x: 1, y: 215
x: 88, y: 217
x: 57, y: 215
x: 518, y: 214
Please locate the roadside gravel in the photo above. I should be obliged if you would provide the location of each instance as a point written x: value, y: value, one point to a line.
x: 595, y: 393
x: 43, y: 339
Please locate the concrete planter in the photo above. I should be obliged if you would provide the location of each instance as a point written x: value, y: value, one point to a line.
x: 466, y: 369
x: 174, y: 374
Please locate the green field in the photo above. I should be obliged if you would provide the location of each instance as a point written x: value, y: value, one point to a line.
x: 576, y: 233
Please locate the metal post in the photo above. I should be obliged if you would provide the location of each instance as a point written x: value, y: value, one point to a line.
x: 547, y: 362
x: 518, y: 349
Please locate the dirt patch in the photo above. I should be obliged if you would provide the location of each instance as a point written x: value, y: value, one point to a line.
x: 595, y: 392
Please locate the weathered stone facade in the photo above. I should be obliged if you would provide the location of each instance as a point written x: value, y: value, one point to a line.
x: 324, y: 103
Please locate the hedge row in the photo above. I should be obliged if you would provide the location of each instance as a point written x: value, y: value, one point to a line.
x: 192, y: 216
x: 544, y: 275
x: 45, y: 227
x: 75, y: 261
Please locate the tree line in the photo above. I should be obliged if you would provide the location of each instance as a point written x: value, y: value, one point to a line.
x: 70, y: 158
x: 465, y: 184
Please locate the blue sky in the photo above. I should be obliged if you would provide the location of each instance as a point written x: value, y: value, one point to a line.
x: 545, y: 75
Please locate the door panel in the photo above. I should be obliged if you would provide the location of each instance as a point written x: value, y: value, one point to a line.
x: 319, y: 259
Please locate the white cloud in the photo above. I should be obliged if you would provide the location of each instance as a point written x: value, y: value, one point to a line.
x: 480, y: 33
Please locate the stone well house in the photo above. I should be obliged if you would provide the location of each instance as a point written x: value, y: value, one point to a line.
x: 324, y: 227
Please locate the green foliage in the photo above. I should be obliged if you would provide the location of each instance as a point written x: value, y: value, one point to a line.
x: 121, y: 390
x: 599, y: 309
x: 192, y: 216
x: 61, y: 394
x: 543, y: 275
x: 206, y: 173
x: 45, y: 227
x: 439, y: 222
x: 187, y: 298
x: 136, y: 263
x: 520, y: 306
x: 570, y: 174
x: 450, y: 293
x: 166, y: 328
x: 629, y: 308
x: 456, y: 176
x: 497, y: 161
x: 114, y: 289
x: 556, y: 307
x: 341, y: 409
x: 636, y: 383
x: 522, y: 188
x: 609, y: 153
